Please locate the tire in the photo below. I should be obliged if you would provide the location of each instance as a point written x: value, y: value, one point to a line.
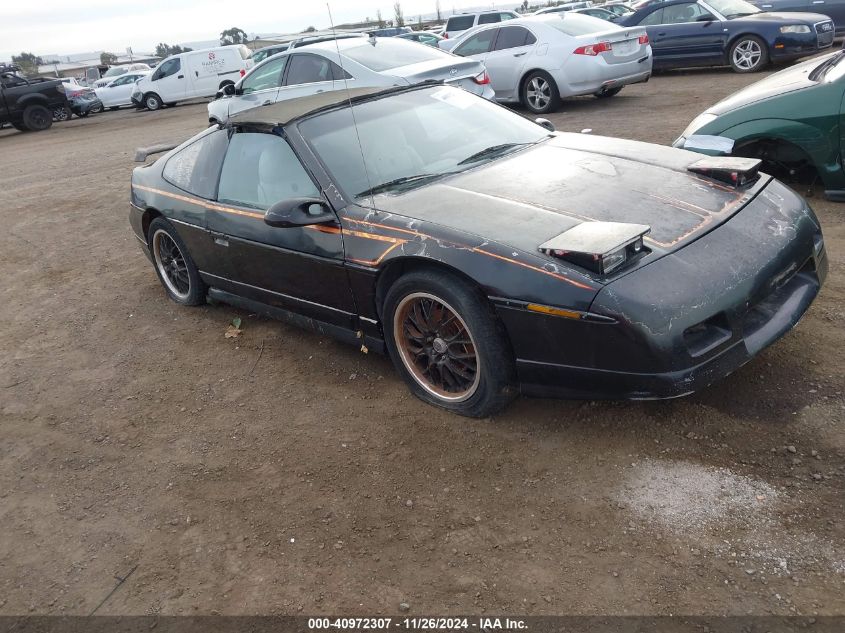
x: 748, y: 54
x: 539, y: 93
x: 173, y: 264
x: 20, y: 127
x: 152, y: 101
x: 62, y: 113
x: 98, y: 109
x: 37, y: 118
x: 606, y: 94
x: 475, y: 378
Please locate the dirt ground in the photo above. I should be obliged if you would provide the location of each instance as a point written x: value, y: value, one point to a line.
x: 284, y: 473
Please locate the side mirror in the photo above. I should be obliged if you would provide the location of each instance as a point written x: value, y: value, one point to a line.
x: 546, y: 124
x: 298, y: 212
x: 227, y: 91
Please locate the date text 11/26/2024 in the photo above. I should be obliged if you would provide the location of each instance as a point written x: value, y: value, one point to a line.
x: 418, y: 624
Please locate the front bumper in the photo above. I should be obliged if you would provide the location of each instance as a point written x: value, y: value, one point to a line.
x: 686, y: 320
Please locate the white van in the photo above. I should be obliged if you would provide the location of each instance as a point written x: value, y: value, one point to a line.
x: 191, y: 75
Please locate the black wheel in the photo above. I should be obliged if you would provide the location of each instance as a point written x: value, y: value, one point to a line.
x: 37, y: 118
x: 748, y: 54
x: 175, y: 269
x: 445, y: 340
x: 540, y: 93
x: 609, y: 93
x: 152, y: 101
x: 62, y: 113
x: 20, y: 126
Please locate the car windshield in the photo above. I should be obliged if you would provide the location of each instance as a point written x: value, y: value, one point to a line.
x: 114, y: 72
x: 733, y: 8
x: 389, y: 54
x: 411, y: 138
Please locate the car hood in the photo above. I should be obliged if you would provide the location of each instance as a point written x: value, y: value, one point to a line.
x: 783, y: 82
x: 789, y: 17
x: 527, y: 198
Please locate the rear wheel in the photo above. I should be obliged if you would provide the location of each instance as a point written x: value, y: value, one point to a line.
x: 62, y: 113
x: 97, y: 109
x: 540, y: 93
x: 37, y: 118
x: 445, y: 340
x: 152, y: 101
x: 609, y: 93
x: 175, y: 269
x: 748, y: 54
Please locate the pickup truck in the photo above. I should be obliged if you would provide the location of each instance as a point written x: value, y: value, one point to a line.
x: 28, y: 104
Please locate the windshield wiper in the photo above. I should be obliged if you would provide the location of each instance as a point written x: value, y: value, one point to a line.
x: 397, y: 182
x: 491, y: 151
x: 821, y: 70
x: 740, y: 15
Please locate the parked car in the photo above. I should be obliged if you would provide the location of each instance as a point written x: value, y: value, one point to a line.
x: 598, y: 12
x: 728, y: 33
x: 619, y: 8
x: 84, y: 102
x: 27, y: 104
x: 539, y: 60
x: 566, y: 6
x: 119, y: 92
x: 834, y: 9
x: 116, y: 71
x: 423, y: 37
x: 190, y: 75
x: 791, y: 119
x: 346, y: 63
x: 456, y: 24
x: 486, y: 255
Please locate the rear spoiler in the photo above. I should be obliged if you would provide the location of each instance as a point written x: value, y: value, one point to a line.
x: 731, y: 170
x: 142, y: 153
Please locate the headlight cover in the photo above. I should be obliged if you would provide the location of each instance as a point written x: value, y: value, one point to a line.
x: 795, y: 28
x: 699, y: 122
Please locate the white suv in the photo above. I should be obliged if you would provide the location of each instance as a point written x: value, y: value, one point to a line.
x: 459, y: 23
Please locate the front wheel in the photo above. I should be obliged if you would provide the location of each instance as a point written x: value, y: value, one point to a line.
x: 152, y: 101
x: 445, y: 340
x: 748, y: 54
x: 37, y: 118
x: 175, y: 269
x: 540, y: 93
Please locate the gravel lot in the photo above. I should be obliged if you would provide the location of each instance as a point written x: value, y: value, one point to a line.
x: 281, y: 472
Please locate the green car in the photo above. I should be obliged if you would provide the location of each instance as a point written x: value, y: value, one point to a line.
x: 792, y: 119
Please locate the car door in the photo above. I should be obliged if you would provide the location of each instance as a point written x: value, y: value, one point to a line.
x: 122, y: 90
x: 688, y: 33
x: 300, y: 268
x: 506, y: 61
x: 260, y: 87
x: 784, y: 5
x: 308, y: 74
x: 168, y: 81
x: 477, y: 46
x: 206, y: 69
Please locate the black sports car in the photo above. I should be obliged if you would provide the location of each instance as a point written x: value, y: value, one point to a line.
x: 685, y: 33
x: 486, y: 254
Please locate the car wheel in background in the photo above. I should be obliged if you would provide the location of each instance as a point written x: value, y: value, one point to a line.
x: 604, y: 94
x: 445, y: 340
x: 748, y: 54
x: 540, y: 93
x: 152, y: 101
x: 175, y: 269
x: 97, y: 109
x: 62, y: 113
x: 37, y: 118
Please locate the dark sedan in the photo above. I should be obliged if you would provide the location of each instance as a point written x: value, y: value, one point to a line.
x: 834, y: 9
x: 728, y: 33
x: 487, y: 255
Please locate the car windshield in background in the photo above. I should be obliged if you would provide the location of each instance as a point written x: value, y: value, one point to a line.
x: 114, y: 71
x: 388, y: 54
x: 412, y: 138
x: 733, y: 8
x: 575, y: 24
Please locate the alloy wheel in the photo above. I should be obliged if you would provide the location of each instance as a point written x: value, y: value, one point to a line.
x: 171, y: 264
x: 747, y: 54
x: 538, y: 93
x: 436, y: 347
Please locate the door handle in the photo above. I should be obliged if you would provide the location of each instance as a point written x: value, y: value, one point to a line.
x: 220, y: 240
x: 180, y: 76
x: 818, y: 1
x: 520, y: 54
x: 661, y: 35
x: 197, y: 73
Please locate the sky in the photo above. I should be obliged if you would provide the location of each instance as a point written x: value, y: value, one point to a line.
x: 59, y: 27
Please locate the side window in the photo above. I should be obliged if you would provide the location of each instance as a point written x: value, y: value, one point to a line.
x: 513, y: 37
x: 337, y: 72
x: 489, y: 18
x: 267, y: 76
x: 195, y: 168
x: 260, y: 170
x: 476, y: 44
x: 170, y: 67
x: 460, y: 23
x: 683, y: 13
x: 308, y: 69
x: 506, y: 16
x: 655, y: 17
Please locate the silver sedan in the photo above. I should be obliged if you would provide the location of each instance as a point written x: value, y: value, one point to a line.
x: 347, y: 63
